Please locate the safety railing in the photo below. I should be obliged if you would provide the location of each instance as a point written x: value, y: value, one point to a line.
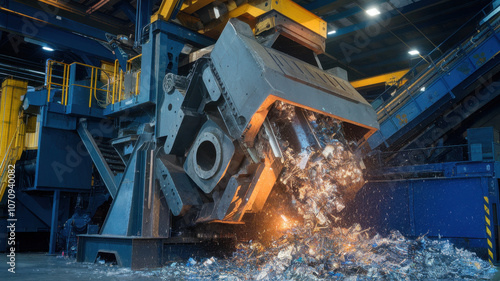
x: 432, y: 81
x: 100, y: 93
x: 126, y: 84
x: 55, y: 83
x: 11, y: 156
x: 114, y: 87
x: 430, y: 155
x: 432, y: 65
x: 417, y: 156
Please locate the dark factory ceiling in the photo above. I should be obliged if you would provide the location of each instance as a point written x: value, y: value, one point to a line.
x: 364, y: 45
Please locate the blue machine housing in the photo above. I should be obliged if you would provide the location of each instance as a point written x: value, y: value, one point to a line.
x: 458, y: 201
x: 161, y: 51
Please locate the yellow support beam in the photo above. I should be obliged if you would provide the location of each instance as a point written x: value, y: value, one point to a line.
x: 191, y: 6
x: 299, y: 14
x: 287, y: 8
x: 380, y: 79
x: 11, y: 127
x: 165, y: 11
x: 10, y: 102
x: 247, y: 12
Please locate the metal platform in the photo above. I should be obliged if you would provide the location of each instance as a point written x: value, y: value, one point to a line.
x: 141, y: 252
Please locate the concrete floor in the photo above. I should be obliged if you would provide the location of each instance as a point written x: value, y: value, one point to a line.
x: 41, y: 267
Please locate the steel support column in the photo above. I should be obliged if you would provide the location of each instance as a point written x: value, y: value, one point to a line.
x: 54, y: 222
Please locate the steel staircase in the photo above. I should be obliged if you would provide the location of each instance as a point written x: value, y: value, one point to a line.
x: 105, y: 158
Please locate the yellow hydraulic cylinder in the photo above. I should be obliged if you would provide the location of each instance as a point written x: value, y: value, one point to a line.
x: 10, y: 103
x: 32, y: 133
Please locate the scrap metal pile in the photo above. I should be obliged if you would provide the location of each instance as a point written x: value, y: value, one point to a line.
x: 322, y: 178
x: 339, y: 254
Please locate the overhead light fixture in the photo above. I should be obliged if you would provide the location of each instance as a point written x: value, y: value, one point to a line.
x: 413, y: 52
x: 216, y: 12
x: 44, y: 45
x: 373, y: 12
x: 422, y: 89
x: 332, y: 32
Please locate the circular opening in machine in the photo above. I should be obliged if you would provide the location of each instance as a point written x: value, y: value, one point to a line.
x: 206, y: 155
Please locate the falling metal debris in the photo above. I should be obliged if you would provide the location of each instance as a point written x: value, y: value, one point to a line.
x: 323, y: 173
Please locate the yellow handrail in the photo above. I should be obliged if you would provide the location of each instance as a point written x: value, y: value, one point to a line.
x: 65, y: 81
x: 91, y: 87
x: 63, y: 97
x: 9, y: 148
x: 137, y: 79
x: 129, y: 62
x: 115, y: 80
x: 8, y: 159
x: 120, y: 86
x: 113, y: 89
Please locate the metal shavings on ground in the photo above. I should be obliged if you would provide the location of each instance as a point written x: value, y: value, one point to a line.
x: 323, y: 178
x: 339, y: 254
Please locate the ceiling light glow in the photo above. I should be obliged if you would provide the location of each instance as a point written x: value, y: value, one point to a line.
x: 373, y: 12
x: 48, y: 49
x: 414, y: 52
x: 332, y: 32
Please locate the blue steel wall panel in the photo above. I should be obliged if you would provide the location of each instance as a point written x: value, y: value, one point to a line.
x: 432, y: 94
x: 37, y: 98
x: 388, y: 128
x: 460, y: 72
x: 62, y: 161
x: 449, y: 207
x: 462, y: 206
x: 446, y: 207
x: 485, y: 52
x: 384, y: 205
x: 56, y: 120
x: 78, y: 99
x: 409, y: 112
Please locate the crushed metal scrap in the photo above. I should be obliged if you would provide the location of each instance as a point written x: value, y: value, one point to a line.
x: 323, y: 174
x: 339, y: 254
